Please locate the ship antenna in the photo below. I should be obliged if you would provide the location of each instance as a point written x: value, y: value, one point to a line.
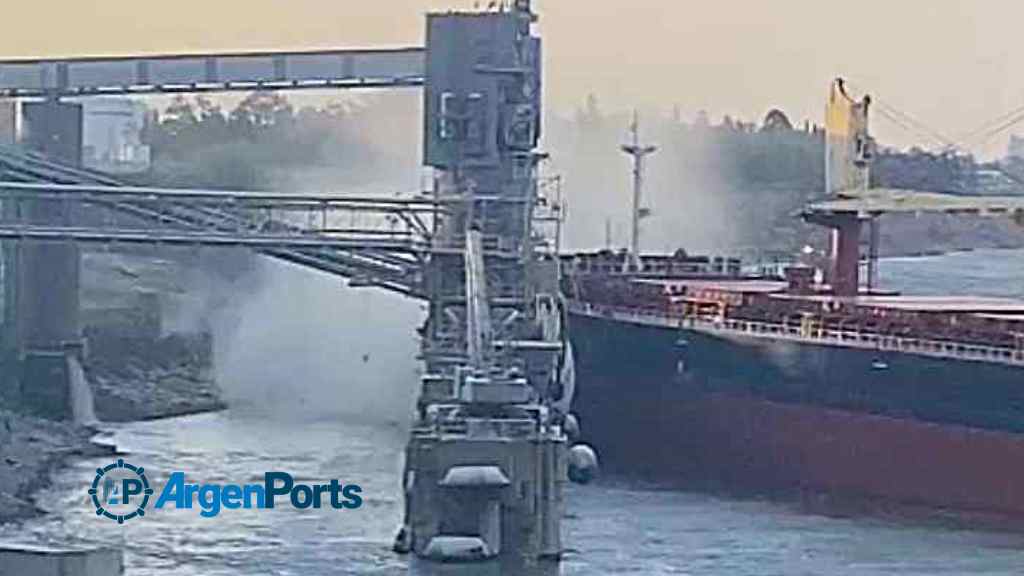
x: 638, y: 152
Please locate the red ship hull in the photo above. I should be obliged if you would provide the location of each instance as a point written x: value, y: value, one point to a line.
x: 748, y: 441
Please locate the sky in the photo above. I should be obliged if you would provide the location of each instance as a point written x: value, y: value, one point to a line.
x: 952, y: 65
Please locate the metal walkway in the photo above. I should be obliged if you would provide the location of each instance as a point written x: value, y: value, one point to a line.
x: 377, y: 241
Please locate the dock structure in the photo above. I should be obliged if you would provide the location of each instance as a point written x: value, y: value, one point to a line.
x: 488, y: 456
x: 488, y: 453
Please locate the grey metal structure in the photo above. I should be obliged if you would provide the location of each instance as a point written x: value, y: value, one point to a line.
x: 481, y: 129
x: 488, y: 456
x: 326, y: 69
x: 41, y: 278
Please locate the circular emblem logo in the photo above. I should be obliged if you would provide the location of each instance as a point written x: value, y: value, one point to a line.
x: 120, y: 491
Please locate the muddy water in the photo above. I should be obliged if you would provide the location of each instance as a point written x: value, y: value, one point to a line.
x: 611, y: 527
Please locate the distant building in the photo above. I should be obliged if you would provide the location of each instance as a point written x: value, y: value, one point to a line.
x: 112, y: 135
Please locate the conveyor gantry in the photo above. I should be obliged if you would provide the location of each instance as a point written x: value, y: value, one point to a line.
x: 380, y: 241
x: 326, y: 69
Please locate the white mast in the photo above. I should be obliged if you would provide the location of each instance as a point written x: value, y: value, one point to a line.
x: 638, y: 152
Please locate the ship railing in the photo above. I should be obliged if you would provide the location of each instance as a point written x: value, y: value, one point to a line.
x: 489, y: 428
x: 869, y: 340
x: 854, y: 338
x: 502, y: 428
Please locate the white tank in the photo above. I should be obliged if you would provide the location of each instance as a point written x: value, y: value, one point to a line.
x: 111, y: 135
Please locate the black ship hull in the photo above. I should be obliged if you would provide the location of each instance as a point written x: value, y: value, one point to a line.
x: 776, y: 413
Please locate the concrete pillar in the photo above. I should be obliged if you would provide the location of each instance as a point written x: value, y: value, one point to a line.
x: 8, y: 357
x: 46, y: 286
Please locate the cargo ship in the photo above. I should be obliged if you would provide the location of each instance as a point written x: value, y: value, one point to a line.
x: 688, y: 368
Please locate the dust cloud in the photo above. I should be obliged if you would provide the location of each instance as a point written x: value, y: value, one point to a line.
x: 298, y: 344
x: 295, y: 343
x: 685, y: 189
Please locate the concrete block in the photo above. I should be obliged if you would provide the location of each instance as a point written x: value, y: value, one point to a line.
x: 18, y: 560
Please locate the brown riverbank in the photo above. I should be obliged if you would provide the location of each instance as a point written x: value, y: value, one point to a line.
x: 137, y: 369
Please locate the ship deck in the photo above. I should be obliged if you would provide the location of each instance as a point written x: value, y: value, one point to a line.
x: 989, y: 306
x: 1006, y: 308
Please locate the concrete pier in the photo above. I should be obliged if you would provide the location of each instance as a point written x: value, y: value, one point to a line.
x: 42, y: 279
x: 482, y: 487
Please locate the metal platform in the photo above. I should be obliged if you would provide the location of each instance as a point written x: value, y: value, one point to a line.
x: 877, y: 201
x: 206, y: 238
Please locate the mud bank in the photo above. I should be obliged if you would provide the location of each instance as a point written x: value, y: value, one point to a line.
x: 137, y: 368
x: 131, y: 379
x: 146, y: 378
x: 141, y: 362
x: 31, y: 449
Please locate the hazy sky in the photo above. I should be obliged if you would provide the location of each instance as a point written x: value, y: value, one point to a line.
x: 951, y: 64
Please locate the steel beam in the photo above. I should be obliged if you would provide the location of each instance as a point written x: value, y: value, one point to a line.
x: 205, y: 238
x: 327, y: 69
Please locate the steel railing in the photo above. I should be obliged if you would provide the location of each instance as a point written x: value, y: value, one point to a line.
x: 820, y: 335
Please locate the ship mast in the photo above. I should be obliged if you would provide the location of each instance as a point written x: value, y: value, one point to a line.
x: 638, y: 152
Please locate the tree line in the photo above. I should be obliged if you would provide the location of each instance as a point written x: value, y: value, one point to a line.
x: 197, y: 142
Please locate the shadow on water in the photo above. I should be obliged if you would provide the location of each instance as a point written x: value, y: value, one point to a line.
x: 495, y: 568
